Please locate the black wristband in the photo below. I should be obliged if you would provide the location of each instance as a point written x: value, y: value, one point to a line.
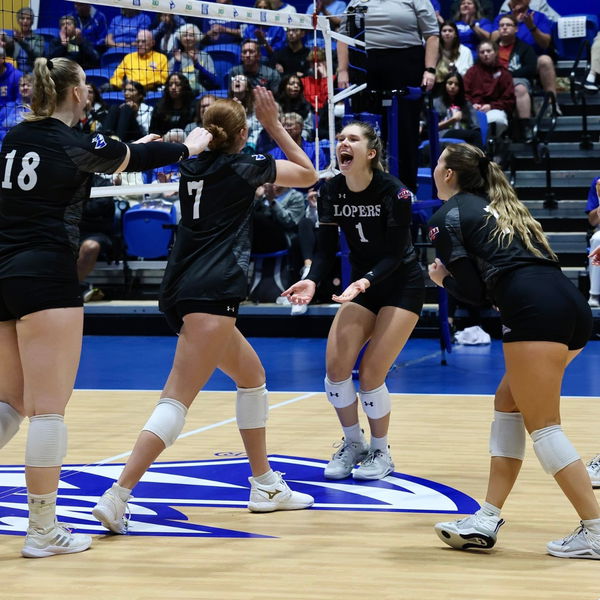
x: 430, y: 70
x: 155, y: 154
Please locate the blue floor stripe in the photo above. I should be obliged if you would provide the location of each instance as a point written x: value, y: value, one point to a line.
x: 293, y: 364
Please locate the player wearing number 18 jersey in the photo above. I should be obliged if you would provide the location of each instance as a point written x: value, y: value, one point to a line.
x: 381, y: 306
x: 205, y: 280
x: 46, y: 169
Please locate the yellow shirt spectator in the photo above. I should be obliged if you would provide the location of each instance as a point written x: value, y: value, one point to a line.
x: 150, y: 70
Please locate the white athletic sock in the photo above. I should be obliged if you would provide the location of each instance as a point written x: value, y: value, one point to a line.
x: 489, y: 510
x: 353, y: 434
x: 379, y: 443
x: 268, y: 478
x: 42, y: 511
x: 592, y: 524
x: 123, y: 492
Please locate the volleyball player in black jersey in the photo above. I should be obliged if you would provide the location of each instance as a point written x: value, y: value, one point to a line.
x: 490, y: 246
x: 46, y: 173
x: 205, y: 280
x: 383, y: 303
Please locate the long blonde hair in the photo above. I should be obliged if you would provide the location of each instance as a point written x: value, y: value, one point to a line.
x: 51, y: 85
x: 478, y: 175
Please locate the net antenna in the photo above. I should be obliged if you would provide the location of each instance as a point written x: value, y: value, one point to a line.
x: 259, y: 16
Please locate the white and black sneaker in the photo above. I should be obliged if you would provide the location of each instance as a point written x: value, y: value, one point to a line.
x: 473, y: 532
x: 582, y: 543
x: 593, y: 469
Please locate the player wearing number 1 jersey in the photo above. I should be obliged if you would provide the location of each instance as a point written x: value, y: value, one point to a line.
x: 205, y: 280
x: 381, y: 306
x: 46, y: 169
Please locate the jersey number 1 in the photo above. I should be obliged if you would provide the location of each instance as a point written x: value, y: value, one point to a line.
x: 27, y: 177
x: 361, y: 234
x: 196, y: 186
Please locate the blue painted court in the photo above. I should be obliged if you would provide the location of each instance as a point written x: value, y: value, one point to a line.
x: 138, y: 362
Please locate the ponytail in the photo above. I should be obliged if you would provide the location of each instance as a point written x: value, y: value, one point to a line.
x: 51, y: 82
x: 478, y: 175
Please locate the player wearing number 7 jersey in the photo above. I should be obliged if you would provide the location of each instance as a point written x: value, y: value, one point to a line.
x: 46, y: 169
x: 381, y: 306
x: 205, y: 280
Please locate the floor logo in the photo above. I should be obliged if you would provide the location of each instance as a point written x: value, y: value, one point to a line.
x: 158, y: 507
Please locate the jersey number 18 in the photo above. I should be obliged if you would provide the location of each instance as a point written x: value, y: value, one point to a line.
x: 27, y: 177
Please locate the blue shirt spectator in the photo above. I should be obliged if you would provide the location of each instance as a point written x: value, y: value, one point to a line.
x: 123, y: 29
x: 91, y: 22
x: 467, y: 37
x: 9, y: 80
x: 331, y: 9
x: 541, y: 21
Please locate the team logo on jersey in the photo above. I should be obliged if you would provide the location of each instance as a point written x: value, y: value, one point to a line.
x: 258, y: 156
x: 167, y: 489
x: 433, y: 233
x: 98, y: 141
x: 405, y: 194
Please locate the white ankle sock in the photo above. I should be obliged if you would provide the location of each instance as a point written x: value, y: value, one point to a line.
x: 489, y: 510
x: 592, y: 524
x: 268, y: 478
x: 353, y: 434
x: 42, y: 511
x: 123, y: 492
x: 379, y: 443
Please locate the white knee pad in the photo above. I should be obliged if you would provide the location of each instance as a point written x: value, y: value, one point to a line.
x: 252, y: 407
x: 376, y: 403
x: 167, y: 420
x: 46, y: 441
x: 553, y: 449
x: 340, y: 393
x: 10, y: 421
x: 507, y: 436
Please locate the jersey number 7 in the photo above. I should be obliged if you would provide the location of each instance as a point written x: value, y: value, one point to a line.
x: 195, y: 186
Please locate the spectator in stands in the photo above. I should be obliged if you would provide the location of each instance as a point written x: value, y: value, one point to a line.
x: 12, y: 113
x: 307, y: 227
x: 191, y: 61
x: 489, y: 87
x: 472, y: 26
x: 457, y: 115
x: 541, y: 6
x: 94, y: 113
x: 294, y: 56
x: 163, y: 31
x: 454, y: 56
x: 277, y: 211
x: 593, y: 213
x: 487, y: 8
x: 130, y: 120
x: 201, y: 105
x: 146, y: 66
x: 70, y: 43
x: 123, y: 29
x: 27, y: 44
x: 251, y: 67
x: 176, y: 108
x: 283, y: 6
x: 91, y: 23
x: 270, y: 37
x: 331, y: 9
x: 590, y: 81
x: 240, y: 90
x: 8, y: 44
x: 218, y: 31
x: 534, y: 28
x: 293, y: 123
x: 290, y: 97
x: 520, y: 59
x: 9, y: 80
x: 315, y: 81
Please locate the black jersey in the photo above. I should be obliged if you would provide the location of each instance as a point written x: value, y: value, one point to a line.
x: 210, y: 257
x: 46, y: 175
x: 463, y: 228
x: 368, y: 218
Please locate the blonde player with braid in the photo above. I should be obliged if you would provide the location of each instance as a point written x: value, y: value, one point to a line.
x: 491, y: 247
